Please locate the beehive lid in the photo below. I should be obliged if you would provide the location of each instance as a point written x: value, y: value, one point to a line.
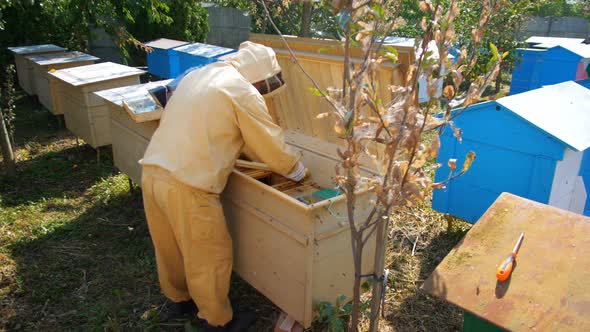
x: 61, y: 58
x: 548, y: 289
x: 165, y: 44
x: 139, y: 91
x: 32, y: 49
x: 554, y: 40
x: 204, y: 50
x: 136, y: 95
x: 79, y: 76
x: 561, y: 110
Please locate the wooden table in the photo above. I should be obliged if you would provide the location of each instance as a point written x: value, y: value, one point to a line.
x: 86, y: 114
x: 549, y: 290
x: 43, y: 63
x: 22, y: 65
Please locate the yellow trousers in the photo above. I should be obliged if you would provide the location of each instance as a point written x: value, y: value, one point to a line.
x: 193, y: 246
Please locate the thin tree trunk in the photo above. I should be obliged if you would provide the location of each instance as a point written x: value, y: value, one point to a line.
x: 305, y: 30
x: 380, y: 248
x: 7, y: 153
x: 499, y: 81
x: 356, y: 290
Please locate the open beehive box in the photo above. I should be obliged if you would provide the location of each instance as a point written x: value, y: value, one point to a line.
x: 131, y: 129
x: 86, y: 114
x: 291, y: 241
x: 23, y: 66
x: 43, y: 63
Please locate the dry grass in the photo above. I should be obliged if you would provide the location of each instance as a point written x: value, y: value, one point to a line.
x: 75, y: 252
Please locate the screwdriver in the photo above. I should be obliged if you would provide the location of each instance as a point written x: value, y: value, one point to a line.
x: 505, y: 268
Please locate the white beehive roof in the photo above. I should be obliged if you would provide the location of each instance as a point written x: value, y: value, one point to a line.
x: 574, y: 45
x: 32, y: 49
x: 561, y: 110
x: 59, y: 58
x: 165, y: 44
x: 554, y: 40
x: 78, y: 76
x: 204, y: 50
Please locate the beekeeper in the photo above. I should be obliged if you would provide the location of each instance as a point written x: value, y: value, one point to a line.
x: 216, y: 112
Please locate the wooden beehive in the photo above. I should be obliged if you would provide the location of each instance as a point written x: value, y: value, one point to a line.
x: 130, y: 138
x: 295, y: 254
x: 86, y: 114
x: 23, y: 66
x: 41, y: 64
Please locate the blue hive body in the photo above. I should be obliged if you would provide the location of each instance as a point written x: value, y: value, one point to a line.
x: 162, y: 59
x: 585, y: 174
x: 521, y: 148
x: 548, y: 61
x: 196, y: 55
x: 585, y: 171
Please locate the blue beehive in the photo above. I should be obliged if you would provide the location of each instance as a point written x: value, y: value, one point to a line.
x: 550, y: 61
x: 530, y: 144
x: 197, y: 55
x: 585, y: 171
x: 161, y: 60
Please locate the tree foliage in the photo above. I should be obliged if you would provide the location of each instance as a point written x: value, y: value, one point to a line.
x: 288, y: 15
x: 560, y: 8
x: 68, y: 22
x: 502, y: 32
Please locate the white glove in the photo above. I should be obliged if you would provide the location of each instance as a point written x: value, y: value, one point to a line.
x: 298, y: 173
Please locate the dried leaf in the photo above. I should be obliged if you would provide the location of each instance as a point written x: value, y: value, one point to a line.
x: 469, y: 158
x: 425, y: 6
x: 458, y: 133
x: 452, y: 164
x: 449, y: 92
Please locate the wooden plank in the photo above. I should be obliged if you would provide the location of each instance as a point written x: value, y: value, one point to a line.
x: 316, y: 45
x: 548, y: 289
x: 144, y: 129
x: 128, y: 149
x: 299, y: 108
x: 333, y: 271
x: 267, y: 258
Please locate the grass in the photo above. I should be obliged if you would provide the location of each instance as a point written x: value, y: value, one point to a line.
x: 75, y: 251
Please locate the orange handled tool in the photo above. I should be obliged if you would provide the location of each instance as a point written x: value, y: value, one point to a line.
x: 505, y: 268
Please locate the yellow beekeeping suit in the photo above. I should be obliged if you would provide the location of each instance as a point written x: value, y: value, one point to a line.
x: 214, y: 114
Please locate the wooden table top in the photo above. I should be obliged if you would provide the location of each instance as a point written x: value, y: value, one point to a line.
x: 549, y: 289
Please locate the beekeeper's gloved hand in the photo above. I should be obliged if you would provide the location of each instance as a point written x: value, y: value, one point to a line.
x: 298, y: 173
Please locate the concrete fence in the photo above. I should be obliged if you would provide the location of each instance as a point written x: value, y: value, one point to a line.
x: 571, y: 27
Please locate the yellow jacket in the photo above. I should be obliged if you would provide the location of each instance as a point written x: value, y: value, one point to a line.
x: 214, y: 113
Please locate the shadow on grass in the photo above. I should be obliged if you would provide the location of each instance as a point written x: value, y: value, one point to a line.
x: 420, y: 311
x: 97, y: 271
x: 55, y: 174
x: 94, y: 272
